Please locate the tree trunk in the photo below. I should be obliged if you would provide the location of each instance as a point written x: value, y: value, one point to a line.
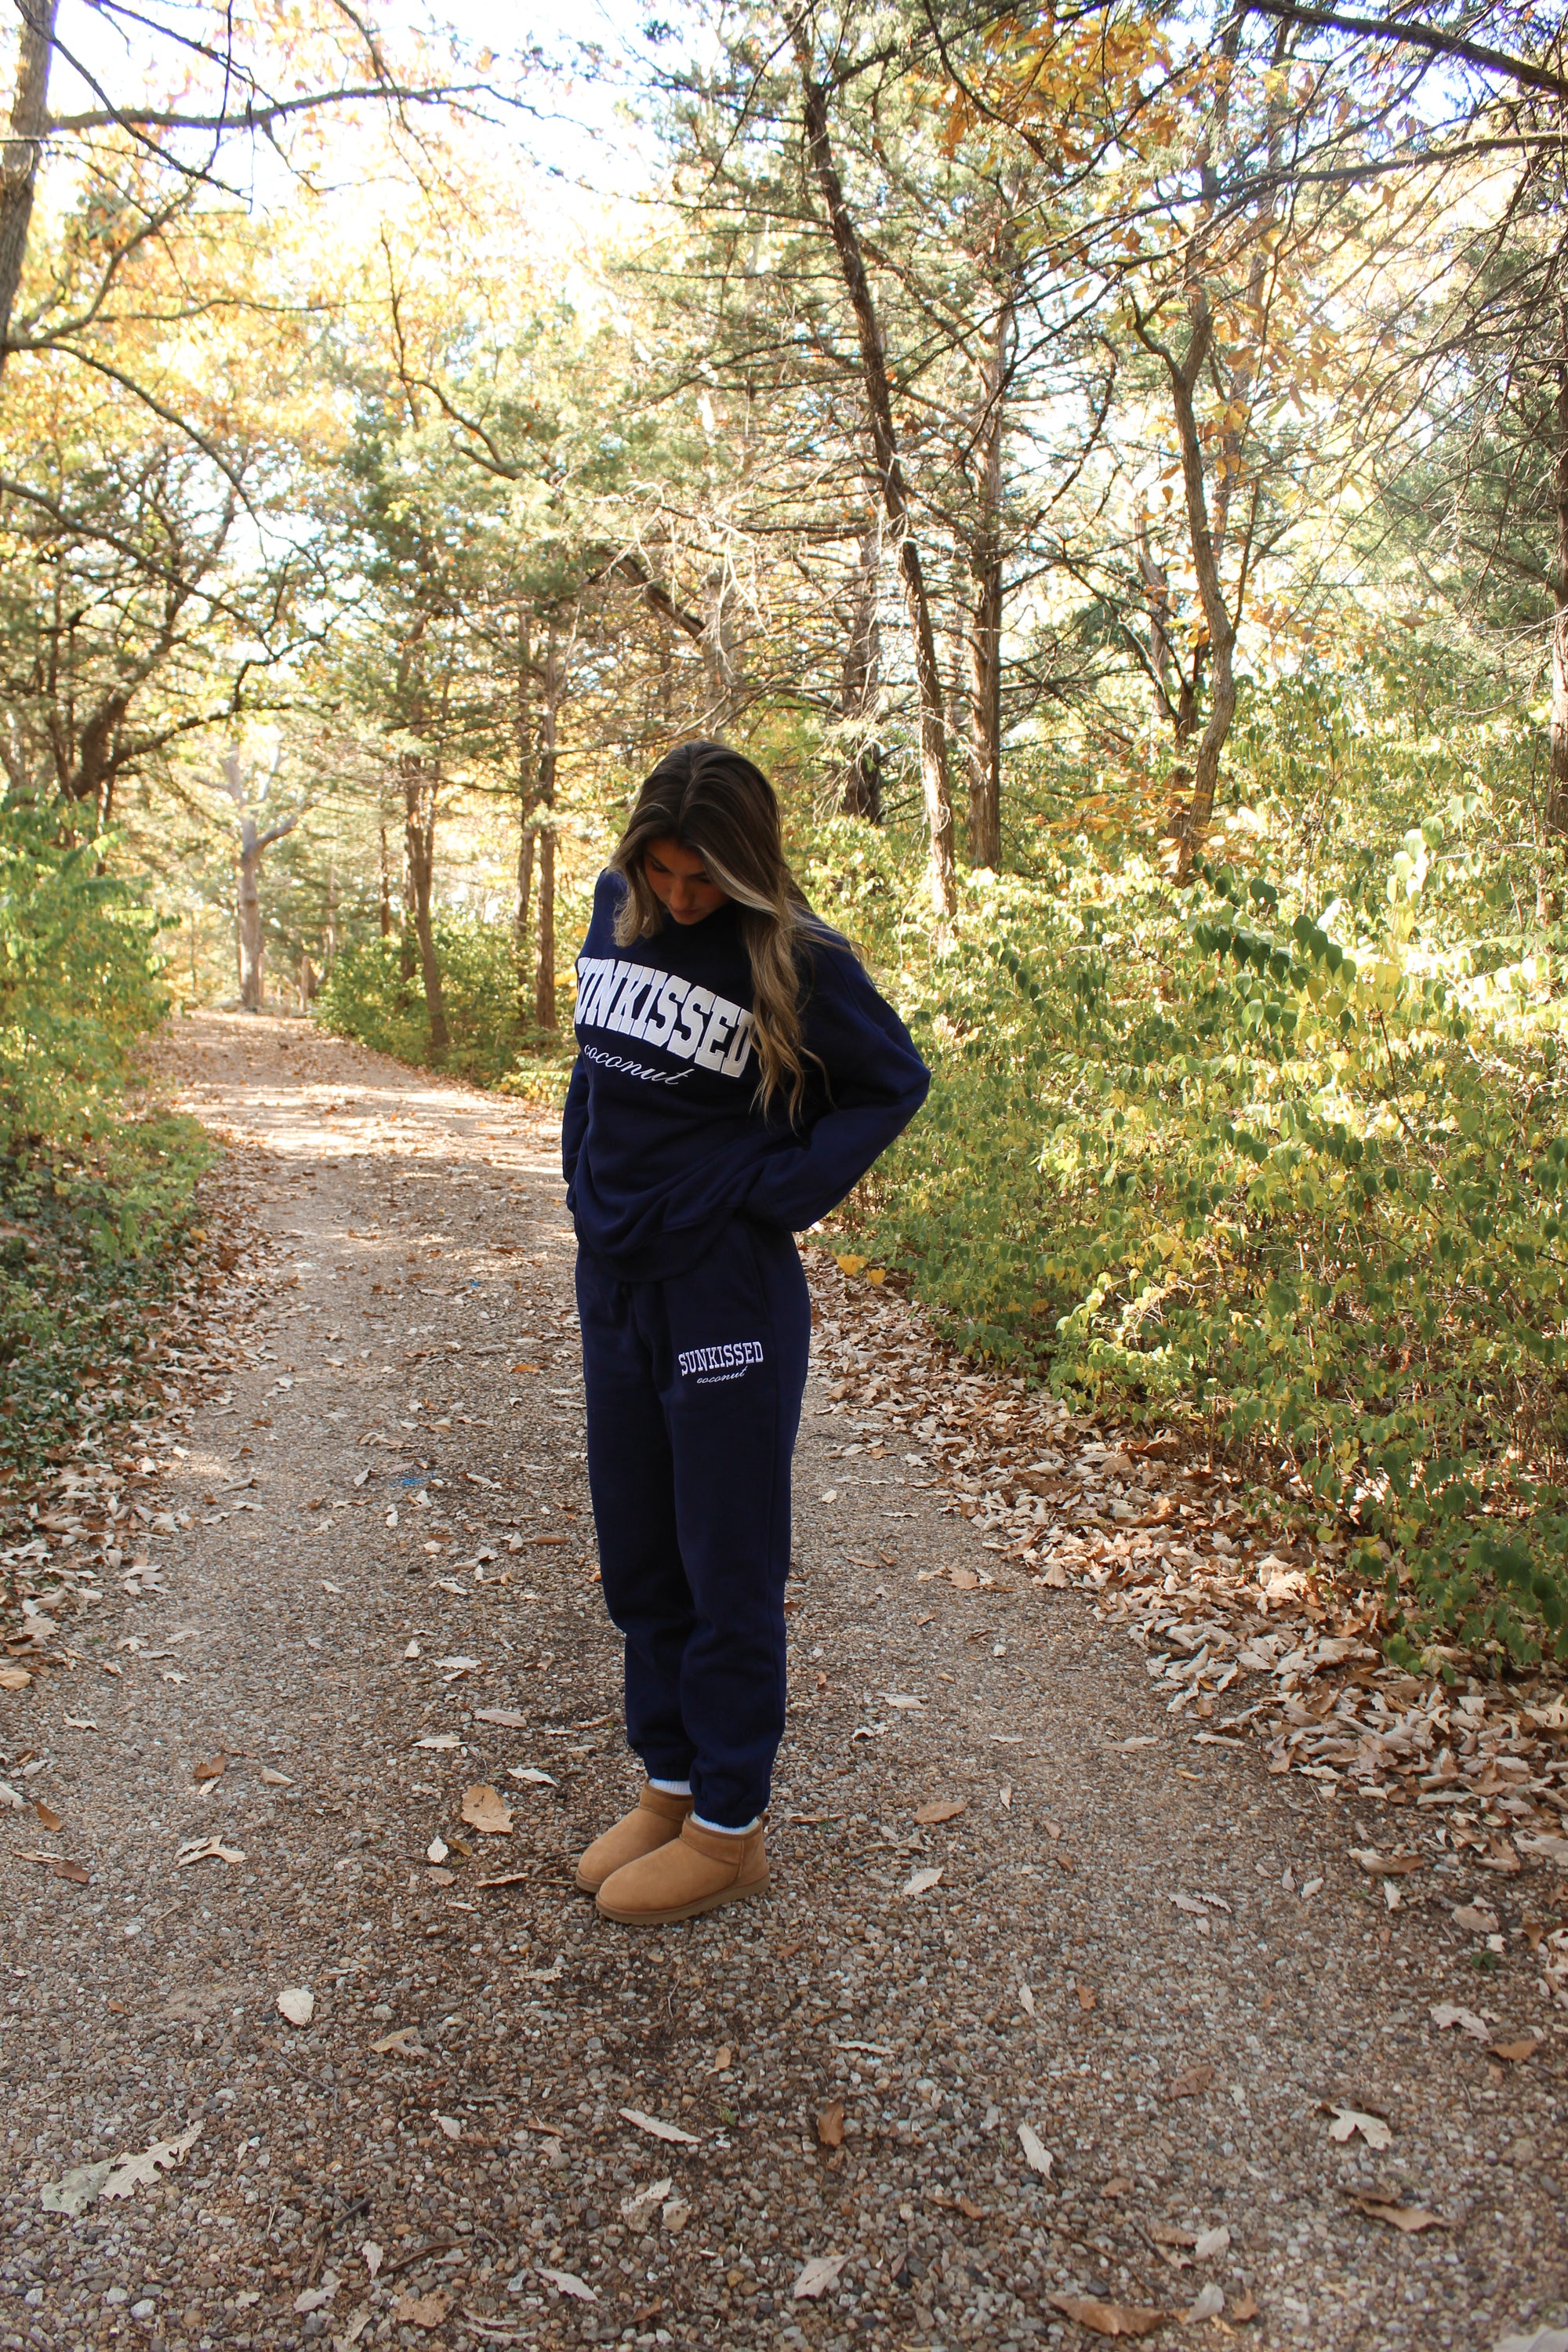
x: 419, y: 833
x: 985, y: 618
x: 860, y: 794
x: 1557, y: 794
x: 23, y: 148
x: 890, y: 480
x: 251, y: 985
x: 544, y: 943
x: 385, y: 890
x: 527, y: 791
x: 330, y: 935
x: 1183, y: 375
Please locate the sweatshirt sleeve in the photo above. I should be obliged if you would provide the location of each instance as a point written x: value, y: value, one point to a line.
x: 573, y: 1122
x: 876, y: 1082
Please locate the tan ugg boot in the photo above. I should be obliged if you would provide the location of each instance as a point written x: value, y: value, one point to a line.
x: 655, y: 1819
x: 695, y: 1872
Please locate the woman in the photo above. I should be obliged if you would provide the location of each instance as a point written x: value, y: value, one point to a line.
x: 736, y: 1074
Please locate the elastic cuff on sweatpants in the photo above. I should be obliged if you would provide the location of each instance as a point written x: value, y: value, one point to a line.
x: 670, y: 1788
x: 728, y: 1829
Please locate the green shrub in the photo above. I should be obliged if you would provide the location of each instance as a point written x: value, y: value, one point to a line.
x: 367, y: 995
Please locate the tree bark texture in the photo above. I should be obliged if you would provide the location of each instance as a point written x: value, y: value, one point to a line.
x: 860, y: 793
x: 985, y: 605
x: 1557, y: 794
x: 254, y: 844
x: 545, y: 938
x: 891, y: 482
x: 1183, y: 375
x: 419, y: 789
x: 385, y: 888
x: 23, y: 150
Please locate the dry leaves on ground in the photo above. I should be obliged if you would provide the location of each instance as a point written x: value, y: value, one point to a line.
x: 830, y: 2124
x: 1348, y: 2121
x: 1036, y: 2154
x: 921, y: 1882
x: 568, y: 2283
x: 298, y: 2004
x: 421, y: 2310
x: 1189, y: 2083
x: 1411, y: 2219
x: 484, y: 1809
x: 819, y: 2274
x: 657, y: 2129
x: 1108, y: 2318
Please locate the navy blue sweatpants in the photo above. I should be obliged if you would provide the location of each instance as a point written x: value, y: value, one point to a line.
x: 694, y: 1391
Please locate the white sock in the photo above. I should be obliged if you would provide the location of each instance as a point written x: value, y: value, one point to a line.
x: 670, y: 1788
x: 724, y: 1829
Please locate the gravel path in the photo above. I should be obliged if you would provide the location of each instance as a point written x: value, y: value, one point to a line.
x: 1083, y: 2038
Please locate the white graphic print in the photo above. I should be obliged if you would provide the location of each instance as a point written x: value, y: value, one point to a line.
x: 729, y: 1362
x: 635, y: 1001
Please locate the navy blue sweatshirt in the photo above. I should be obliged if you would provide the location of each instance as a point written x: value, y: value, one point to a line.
x: 662, y: 1141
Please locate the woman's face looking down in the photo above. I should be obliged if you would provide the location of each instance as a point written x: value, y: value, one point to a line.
x: 679, y: 880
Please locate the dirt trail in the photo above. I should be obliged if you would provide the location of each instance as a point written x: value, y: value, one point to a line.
x: 1087, y: 2033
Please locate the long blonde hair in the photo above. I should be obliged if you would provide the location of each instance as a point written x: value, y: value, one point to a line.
x: 715, y: 803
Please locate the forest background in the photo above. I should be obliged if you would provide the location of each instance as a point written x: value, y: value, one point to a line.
x: 1109, y: 465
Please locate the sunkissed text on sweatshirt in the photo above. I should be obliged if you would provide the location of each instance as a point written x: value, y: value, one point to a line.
x: 662, y: 1141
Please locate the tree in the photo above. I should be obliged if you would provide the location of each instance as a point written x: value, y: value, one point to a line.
x: 253, y: 840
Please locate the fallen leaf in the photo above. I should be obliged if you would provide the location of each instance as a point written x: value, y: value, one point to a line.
x: 298, y: 2004
x: 1086, y: 1998
x: 568, y: 2283
x: 355, y: 2330
x: 659, y: 2130
x: 1053, y: 1829
x: 1348, y: 2121
x: 1036, y: 2154
x: 450, y: 2126
x: 641, y: 2206
x: 1445, y: 2013
x: 1108, y: 2318
x: 1209, y: 2304
x: 372, y: 2256
x: 1411, y: 2219
x: 674, y: 2215
x: 1005, y: 1796
x: 78, y: 2189
x: 507, y: 1717
x: 275, y: 1779
x: 940, y: 1809
x: 830, y: 2124
x: 484, y: 1809
x: 1515, y: 2053
x: 47, y: 1817
x: 1210, y: 2242
x: 141, y: 2171
x: 1190, y: 2082
x: 819, y: 2274
x: 421, y: 2310
x: 921, y: 1882
x: 311, y: 2298
x: 723, y: 2058
x: 214, y: 1770
x: 404, y: 2040
x: 1027, y: 1999
x: 17, y: 1678
x: 211, y: 1849
x: 531, y: 1774
x: 1396, y: 1866
x: 1171, y: 2233
x: 444, y: 1740
x: 969, y: 2208
x: 1474, y: 1920
x: 436, y: 1851
x: 1244, y: 2306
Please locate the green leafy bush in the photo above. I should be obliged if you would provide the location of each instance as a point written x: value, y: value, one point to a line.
x: 368, y: 995
x: 95, y: 1205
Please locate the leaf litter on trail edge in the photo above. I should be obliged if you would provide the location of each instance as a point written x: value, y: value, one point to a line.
x: 421, y: 2310
x: 940, y: 1809
x: 820, y: 2272
x: 1348, y: 2121
x: 1108, y: 2318
x: 568, y: 2283
x: 1036, y: 2154
x: 830, y: 2124
x: 118, y: 2176
x: 921, y: 1882
x: 1411, y: 2219
x: 658, y: 2129
x: 297, y: 2004
x: 484, y: 1809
